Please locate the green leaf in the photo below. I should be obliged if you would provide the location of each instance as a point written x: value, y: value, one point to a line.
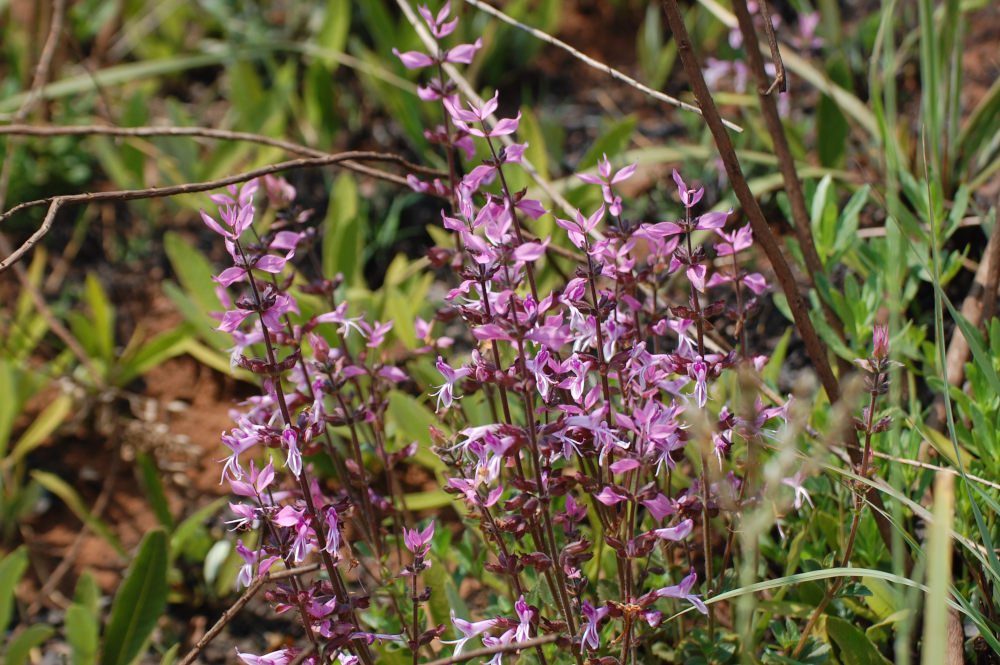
x: 436, y: 577
x: 139, y: 602
x: 40, y: 429
x: 412, y: 421
x: 102, y: 317
x: 87, y: 594
x: 153, y: 353
x: 12, y: 567
x: 194, y: 272
x: 64, y: 491
x: 150, y: 477
x: 336, y: 26
x: 855, y: 647
x: 429, y: 500
x: 20, y: 645
x: 82, y: 633
x: 832, y: 127
x: 187, y: 528
x: 342, y: 241
x: 612, y: 142
x: 171, y: 655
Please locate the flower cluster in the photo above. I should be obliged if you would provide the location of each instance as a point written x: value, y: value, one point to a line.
x: 599, y: 379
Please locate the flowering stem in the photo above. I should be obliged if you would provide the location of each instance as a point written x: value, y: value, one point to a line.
x: 855, y: 521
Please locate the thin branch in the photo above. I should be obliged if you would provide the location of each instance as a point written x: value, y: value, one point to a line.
x: 500, y: 648
x: 591, y: 62
x: 814, y: 346
x: 231, y: 612
x: 786, y: 162
x: 780, y: 83
x: 345, y: 159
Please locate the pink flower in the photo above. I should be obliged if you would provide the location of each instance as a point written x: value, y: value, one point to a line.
x: 444, y: 392
x: 605, y: 180
x: 418, y: 542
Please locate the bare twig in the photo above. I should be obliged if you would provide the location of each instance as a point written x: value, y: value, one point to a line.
x: 591, y: 62
x: 780, y: 83
x: 233, y: 609
x: 345, y: 159
x: 786, y: 162
x: 814, y: 346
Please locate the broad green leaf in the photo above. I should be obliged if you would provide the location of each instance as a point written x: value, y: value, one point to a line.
x: 64, y: 491
x: 82, y: 633
x: 412, y: 421
x: 831, y: 125
x: 47, y: 422
x: 430, y: 500
x: 855, y: 647
x: 12, y: 567
x: 882, y: 600
x: 150, y: 477
x: 19, y: 647
x: 139, y: 603
x: 436, y: 577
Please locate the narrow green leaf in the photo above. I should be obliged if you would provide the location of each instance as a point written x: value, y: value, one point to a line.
x: 935, y: 648
x: 87, y: 594
x: 139, y: 602
x: 82, y: 633
x: 335, y: 28
x: 154, y: 353
x: 12, y: 567
x: 64, y: 491
x: 20, y: 646
x: 170, y: 657
x: 184, y: 530
x: 102, y: 317
x: 47, y: 422
x: 150, y: 476
x: 342, y: 241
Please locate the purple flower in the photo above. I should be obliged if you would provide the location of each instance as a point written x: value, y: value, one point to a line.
x: 479, y: 114
x: 677, y: 532
x: 418, y: 542
x: 796, y: 483
x: 444, y: 392
x: 579, y: 229
x: 440, y: 26
x: 469, y: 629
x: 689, y: 197
x: 299, y: 522
x: 590, y: 638
x: 279, y: 657
x: 683, y: 591
x: 880, y: 337
x: 735, y: 241
x: 605, y: 180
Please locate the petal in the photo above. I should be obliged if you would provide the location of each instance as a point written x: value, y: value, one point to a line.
x: 414, y: 59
